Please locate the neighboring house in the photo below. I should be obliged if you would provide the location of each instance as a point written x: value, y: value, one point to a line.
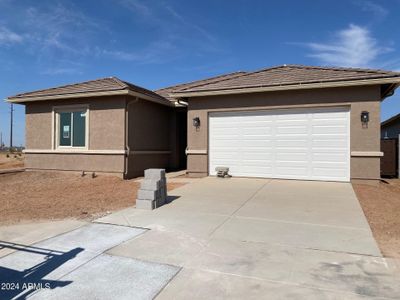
x: 291, y: 122
x: 390, y: 129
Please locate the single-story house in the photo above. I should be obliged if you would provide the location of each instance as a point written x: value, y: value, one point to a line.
x: 390, y: 129
x: 290, y: 122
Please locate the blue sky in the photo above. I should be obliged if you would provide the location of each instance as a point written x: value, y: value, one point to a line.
x: 159, y: 43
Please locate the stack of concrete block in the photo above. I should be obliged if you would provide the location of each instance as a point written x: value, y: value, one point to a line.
x: 153, y: 190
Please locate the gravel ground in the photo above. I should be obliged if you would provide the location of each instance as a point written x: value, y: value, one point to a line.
x: 57, y: 195
x: 381, y: 205
x: 11, y: 162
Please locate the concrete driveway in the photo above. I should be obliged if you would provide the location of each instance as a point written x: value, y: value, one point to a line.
x: 255, y: 238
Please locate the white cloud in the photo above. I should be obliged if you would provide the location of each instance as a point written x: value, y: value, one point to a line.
x: 61, y: 71
x: 173, y: 26
x: 9, y: 37
x: 59, y: 28
x: 352, y: 47
x: 154, y: 53
x: 378, y: 11
x: 191, y: 25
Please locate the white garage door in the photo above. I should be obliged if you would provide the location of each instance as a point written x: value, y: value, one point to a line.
x: 312, y: 144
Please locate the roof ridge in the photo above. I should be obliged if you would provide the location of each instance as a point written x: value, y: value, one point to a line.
x: 222, y: 78
x: 64, y: 86
x: 191, y: 82
x: 346, y: 69
x: 119, y: 81
x: 294, y: 74
x: 250, y: 73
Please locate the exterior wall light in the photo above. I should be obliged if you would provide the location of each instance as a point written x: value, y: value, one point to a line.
x: 196, y: 122
x: 365, y: 117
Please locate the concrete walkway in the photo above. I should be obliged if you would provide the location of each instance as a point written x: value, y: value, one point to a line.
x: 73, y: 265
x: 254, y: 238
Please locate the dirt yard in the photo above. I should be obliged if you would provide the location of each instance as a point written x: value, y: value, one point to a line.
x: 54, y: 195
x: 13, y: 161
x: 381, y: 205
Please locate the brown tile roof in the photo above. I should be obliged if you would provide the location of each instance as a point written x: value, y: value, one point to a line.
x: 92, y: 86
x: 289, y: 75
x: 165, y: 91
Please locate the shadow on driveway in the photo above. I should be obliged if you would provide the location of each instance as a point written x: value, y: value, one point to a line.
x: 16, y: 284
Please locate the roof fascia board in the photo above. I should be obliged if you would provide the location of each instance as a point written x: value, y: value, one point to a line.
x: 87, y: 95
x: 286, y: 87
x: 67, y: 96
x: 150, y: 98
x: 390, y: 120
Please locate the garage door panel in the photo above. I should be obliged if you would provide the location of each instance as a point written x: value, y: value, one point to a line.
x: 226, y: 131
x: 256, y: 130
x: 247, y: 143
x: 329, y: 157
x: 291, y: 156
x: 330, y: 143
x: 226, y: 156
x: 291, y: 143
x: 326, y: 130
x: 286, y: 116
x: 256, y: 121
x: 327, y: 122
x: 254, y: 163
x: 295, y: 144
x: 328, y: 172
x: 284, y: 130
x: 328, y: 115
x: 300, y: 172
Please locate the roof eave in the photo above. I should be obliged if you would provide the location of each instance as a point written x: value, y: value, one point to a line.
x: 88, y: 95
x: 390, y: 120
x: 286, y: 87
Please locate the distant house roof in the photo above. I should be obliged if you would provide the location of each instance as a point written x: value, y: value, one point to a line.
x: 391, y: 120
x: 103, y: 86
x: 289, y: 75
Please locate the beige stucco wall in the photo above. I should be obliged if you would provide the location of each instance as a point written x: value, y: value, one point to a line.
x: 151, y: 140
x: 148, y: 131
x: 106, y: 132
x: 76, y: 162
x: 357, y: 98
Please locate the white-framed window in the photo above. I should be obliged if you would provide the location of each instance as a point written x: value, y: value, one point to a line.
x: 71, y: 127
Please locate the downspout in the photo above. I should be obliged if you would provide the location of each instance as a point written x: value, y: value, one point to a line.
x: 184, y: 103
x: 126, y: 142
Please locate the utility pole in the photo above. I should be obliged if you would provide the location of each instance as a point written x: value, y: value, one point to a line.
x: 11, y: 126
x: 1, y: 140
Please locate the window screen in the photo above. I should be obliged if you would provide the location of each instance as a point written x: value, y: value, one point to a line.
x: 79, y: 126
x: 72, y: 128
x: 65, y: 129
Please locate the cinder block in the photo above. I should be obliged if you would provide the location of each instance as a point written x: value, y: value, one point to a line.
x: 145, y: 204
x: 148, y: 195
x: 153, y: 188
x: 151, y: 184
x: 154, y: 174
